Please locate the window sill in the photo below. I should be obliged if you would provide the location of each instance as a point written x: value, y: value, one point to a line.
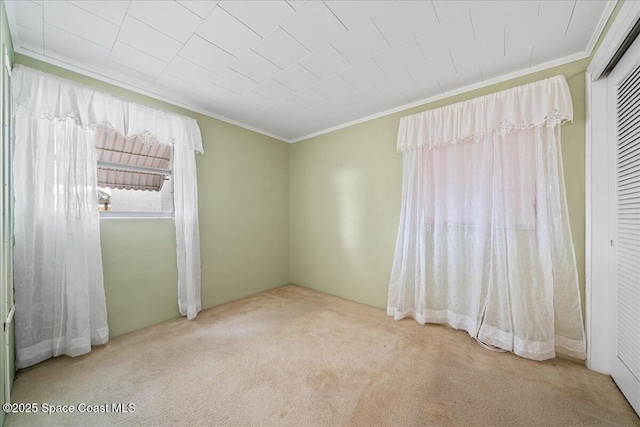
x: 134, y: 215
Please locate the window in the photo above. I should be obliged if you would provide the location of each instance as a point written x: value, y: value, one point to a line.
x: 473, y: 184
x: 134, y: 176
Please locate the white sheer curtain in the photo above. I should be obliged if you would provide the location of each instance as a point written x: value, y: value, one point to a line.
x: 484, y: 242
x: 59, y: 291
x: 185, y: 197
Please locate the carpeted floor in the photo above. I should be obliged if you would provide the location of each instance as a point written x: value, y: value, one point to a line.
x: 293, y: 356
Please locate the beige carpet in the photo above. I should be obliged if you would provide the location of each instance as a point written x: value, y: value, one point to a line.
x: 293, y: 356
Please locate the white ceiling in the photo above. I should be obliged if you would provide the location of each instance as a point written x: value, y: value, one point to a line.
x: 296, y: 68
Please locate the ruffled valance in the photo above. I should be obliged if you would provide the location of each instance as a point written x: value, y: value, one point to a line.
x: 543, y: 103
x: 56, y: 98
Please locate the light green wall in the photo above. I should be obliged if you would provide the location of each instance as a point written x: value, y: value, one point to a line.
x: 244, y: 194
x: 243, y: 191
x: 139, y: 262
x: 346, y: 194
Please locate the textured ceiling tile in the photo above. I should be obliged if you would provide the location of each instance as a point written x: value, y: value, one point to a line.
x: 352, y: 12
x: 396, y: 84
x: 136, y: 60
x: 393, y: 101
x: 297, y: 4
x: 308, y: 98
x: 268, y: 120
x: 550, y: 25
x: 273, y: 90
x: 261, y: 16
x: 216, y: 94
x: 29, y: 15
x: 253, y: 100
x: 70, y: 48
x: 480, y: 52
x: 238, y: 112
x: 361, y: 43
x: 462, y: 78
x: 235, y: 81
x: 442, y: 38
x: 516, y: 61
x: 400, y: 57
x: 287, y: 108
x: 369, y: 98
x: 363, y: 74
x: 113, y: 11
x: 420, y: 93
x: 30, y: 39
x: 425, y: 72
x: 336, y: 111
x: 255, y: 67
x: 296, y: 78
x: 188, y: 71
x: 313, y: 25
x: 570, y: 44
x: 447, y: 9
x: 205, y: 54
x: 318, y: 118
x: 585, y: 16
x: 199, y: 7
x: 325, y: 62
x: 228, y: 33
x: 81, y: 23
x: 173, y: 87
x: 282, y: 109
x: 495, y: 16
x: 147, y: 39
x: 281, y: 49
x: 168, y: 17
x: 406, y: 19
x: 127, y: 75
x: 274, y: 127
x: 333, y: 87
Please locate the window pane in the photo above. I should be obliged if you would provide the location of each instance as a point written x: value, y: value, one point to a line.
x: 122, y: 200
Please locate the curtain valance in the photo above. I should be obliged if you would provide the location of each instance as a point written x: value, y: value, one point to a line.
x: 543, y: 103
x: 56, y: 98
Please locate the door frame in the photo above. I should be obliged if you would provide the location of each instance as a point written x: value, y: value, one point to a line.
x: 6, y: 253
x: 599, y: 178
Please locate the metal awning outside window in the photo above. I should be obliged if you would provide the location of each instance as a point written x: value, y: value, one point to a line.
x: 130, y: 163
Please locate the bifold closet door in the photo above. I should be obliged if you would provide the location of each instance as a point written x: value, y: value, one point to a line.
x: 624, y: 123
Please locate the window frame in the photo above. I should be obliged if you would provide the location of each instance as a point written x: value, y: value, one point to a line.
x: 139, y: 214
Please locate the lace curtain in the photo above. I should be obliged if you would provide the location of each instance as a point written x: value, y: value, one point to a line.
x: 59, y: 291
x: 484, y: 243
x: 58, y: 278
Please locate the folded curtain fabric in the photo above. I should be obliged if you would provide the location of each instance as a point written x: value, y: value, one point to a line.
x: 484, y: 242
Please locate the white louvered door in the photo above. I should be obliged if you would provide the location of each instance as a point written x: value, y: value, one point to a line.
x: 624, y: 120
